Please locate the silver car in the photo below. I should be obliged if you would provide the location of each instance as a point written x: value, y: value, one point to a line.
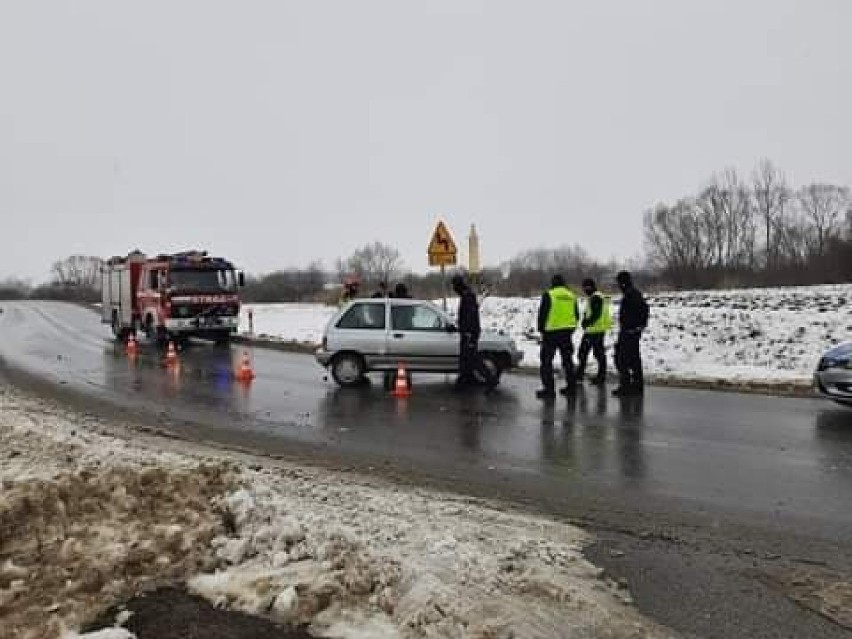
x: 377, y: 334
x: 833, y: 377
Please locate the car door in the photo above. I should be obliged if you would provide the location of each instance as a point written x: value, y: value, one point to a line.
x: 362, y: 328
x: 420, y: 335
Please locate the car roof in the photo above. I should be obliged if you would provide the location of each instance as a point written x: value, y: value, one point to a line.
x: 395, y: 300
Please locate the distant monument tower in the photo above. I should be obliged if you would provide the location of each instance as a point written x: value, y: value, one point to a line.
x: 474, y: 265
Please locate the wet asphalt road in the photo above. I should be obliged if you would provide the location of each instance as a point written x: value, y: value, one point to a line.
x: 696, y: 496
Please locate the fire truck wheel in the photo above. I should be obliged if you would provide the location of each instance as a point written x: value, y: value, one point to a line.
x: 156, y: 334
x: 224, y: 341
x: 119, y: 332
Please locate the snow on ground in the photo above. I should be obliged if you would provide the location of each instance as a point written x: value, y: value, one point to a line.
x: 93, y: 513
x: 290, y: 322
x: 748, y: 335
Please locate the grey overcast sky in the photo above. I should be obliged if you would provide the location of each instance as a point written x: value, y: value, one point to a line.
x: 278, y: 132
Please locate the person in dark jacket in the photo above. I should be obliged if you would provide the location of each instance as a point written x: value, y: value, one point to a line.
x: 400, y: 291
x: 632, y: 320
x: 382, y: 291
x: 470, y: 361
x: 557, y: 319
x: 597, y: 320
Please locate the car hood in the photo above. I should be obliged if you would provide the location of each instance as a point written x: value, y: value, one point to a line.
x: 843, y: 351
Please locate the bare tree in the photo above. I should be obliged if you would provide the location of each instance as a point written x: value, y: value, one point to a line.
x: 530, y: 271
x: 82, y: 271
x: 771, y: 193
x: 373, y: 263
x: 686, y: 240
x: 823, y: 205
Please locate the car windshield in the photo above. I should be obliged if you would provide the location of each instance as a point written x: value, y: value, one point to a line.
x: 203, y: 281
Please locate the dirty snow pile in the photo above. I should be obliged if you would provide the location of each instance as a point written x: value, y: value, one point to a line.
x: 747, y: 335
x: 89, y: 519
x: 362, y: 560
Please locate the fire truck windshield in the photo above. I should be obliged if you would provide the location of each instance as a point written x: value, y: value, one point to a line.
x: 203, y: 281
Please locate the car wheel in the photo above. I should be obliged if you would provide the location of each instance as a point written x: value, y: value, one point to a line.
x: 492, y: 363
x: 148, y: 329
x: 348, y: 369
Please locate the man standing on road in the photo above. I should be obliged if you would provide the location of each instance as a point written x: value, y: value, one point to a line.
x: 469, y: 330
x: 557, y: 319
x: 597, y: 320
x: 382, y: 291
x: 632, y: 320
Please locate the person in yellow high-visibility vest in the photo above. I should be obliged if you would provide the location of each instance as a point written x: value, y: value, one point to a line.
x: 597, y: 320
x: 557, y: 319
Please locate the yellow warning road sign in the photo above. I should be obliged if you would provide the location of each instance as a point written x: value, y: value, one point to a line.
x: 442, y: 249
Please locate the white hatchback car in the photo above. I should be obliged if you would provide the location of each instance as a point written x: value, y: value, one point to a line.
x: 378, y: 334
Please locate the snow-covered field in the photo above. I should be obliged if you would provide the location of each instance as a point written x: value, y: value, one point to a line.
x: 93, y: 513
x: 748, y: 335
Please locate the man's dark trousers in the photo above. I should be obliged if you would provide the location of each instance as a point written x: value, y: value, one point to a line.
x: 551, y: 342
x: 470, y: 361
x: 593, y: 342
x: 628, y: 359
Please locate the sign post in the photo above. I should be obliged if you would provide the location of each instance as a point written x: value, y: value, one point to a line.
x: 442, y: 252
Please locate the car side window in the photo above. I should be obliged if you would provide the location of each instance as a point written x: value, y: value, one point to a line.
x: 366, y: 315
x: 416, y: 318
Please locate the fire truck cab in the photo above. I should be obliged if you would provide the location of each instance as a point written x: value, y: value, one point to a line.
x: 174, y: 296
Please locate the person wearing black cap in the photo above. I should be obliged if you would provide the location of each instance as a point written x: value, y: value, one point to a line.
x: 469, y: 330
x: 557, y: 319
x: 597, y: 320
x: 632, y: 320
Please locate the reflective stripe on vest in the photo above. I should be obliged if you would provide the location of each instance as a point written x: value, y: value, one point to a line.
x: 563, y: 311
x: 604, y: 322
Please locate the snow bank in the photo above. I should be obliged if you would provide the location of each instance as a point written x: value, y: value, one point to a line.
x: 86, y: 520
x: 302, y: 323
x: 749, y: 335
x: 89, y: 518
x: 361, y: 561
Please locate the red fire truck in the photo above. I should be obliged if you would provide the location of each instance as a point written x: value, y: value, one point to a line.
x: 177, y: 296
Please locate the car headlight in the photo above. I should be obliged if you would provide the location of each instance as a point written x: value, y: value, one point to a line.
x: 827, y: 363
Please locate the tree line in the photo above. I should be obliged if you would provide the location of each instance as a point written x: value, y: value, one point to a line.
x: 733, y: 232
x: 759, y: 231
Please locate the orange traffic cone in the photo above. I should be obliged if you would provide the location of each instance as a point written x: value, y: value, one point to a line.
x: 244, y: 372
x: 171, y: 355
x: 401, y: 387
x: 131, y: 348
